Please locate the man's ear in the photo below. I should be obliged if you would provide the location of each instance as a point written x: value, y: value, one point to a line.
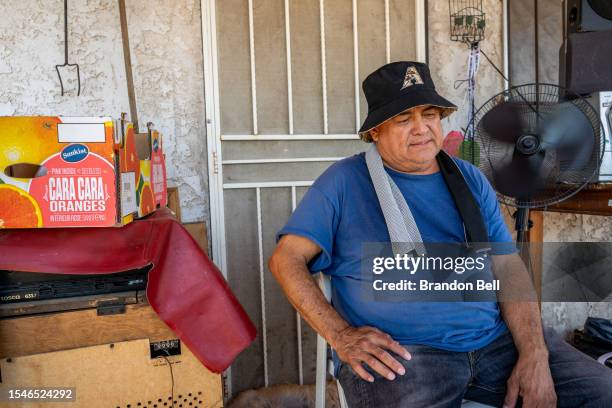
x: 374, y: 133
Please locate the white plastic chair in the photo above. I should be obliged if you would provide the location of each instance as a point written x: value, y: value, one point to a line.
x: 322, y: 361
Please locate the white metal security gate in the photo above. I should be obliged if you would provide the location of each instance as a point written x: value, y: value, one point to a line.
x: 283, y: 102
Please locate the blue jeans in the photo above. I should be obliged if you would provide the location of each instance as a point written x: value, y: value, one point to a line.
x: 439, y: 378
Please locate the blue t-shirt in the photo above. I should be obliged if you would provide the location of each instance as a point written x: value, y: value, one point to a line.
x: 341, y: 211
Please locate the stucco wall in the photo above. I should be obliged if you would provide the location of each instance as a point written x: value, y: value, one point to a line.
x: 166, y: 47
x: 448, y: 60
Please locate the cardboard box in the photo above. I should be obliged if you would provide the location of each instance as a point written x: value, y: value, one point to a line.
x: 78, y: 172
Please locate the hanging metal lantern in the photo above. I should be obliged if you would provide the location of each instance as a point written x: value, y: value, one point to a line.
x: 467, y: 20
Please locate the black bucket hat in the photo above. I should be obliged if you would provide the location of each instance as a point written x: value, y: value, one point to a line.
x: 396, y: 87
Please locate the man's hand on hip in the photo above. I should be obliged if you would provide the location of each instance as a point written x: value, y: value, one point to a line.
x: 370, y: 346
x: 531, y: 379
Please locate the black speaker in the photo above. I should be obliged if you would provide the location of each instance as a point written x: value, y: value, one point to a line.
x: 585, y: 62
x: 588, y: 15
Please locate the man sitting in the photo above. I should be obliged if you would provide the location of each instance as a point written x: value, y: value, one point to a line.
x: 420, y: 354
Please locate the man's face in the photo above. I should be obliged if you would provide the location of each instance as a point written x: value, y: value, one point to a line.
x: 410, y: 141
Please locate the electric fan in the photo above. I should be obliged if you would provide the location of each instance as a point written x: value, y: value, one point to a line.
x: 538, y: 145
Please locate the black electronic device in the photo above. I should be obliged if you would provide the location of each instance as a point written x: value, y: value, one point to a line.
x: 588, y: 15
x: 29, y: 286
x: 585, y: 62
x: 585, y: 56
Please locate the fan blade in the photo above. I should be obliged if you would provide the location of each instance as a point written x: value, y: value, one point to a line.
x: 569, y: 131
x: 567, y: 125
x: 522, y: 177
x: 503, y: 122
x: 528, y: 166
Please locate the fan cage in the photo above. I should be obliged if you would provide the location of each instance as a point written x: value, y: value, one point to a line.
x: 467, y: 20
x: 536, y: 102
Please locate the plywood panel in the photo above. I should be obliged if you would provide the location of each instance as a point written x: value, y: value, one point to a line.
x: 60, y: 331
x: 69, y: 304
x: 116, y: 375
x: 174, y: 202
x: 198, y: 232
x: 593, y: 199
x: 196, y: 229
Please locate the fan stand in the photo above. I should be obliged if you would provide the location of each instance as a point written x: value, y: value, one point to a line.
x: 522, y: 226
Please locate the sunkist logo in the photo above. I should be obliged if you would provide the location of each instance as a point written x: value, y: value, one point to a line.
x: 75, y: 153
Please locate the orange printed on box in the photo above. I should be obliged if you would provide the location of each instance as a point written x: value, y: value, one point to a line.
x: 77, y: 172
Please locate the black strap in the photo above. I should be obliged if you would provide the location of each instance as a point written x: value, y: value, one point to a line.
x: 476, y: 230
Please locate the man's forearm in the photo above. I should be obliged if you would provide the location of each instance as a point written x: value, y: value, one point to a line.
x: 519, y: 309
x: 523, y: 320
x: 531, y: 378
x: 305, y: 295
